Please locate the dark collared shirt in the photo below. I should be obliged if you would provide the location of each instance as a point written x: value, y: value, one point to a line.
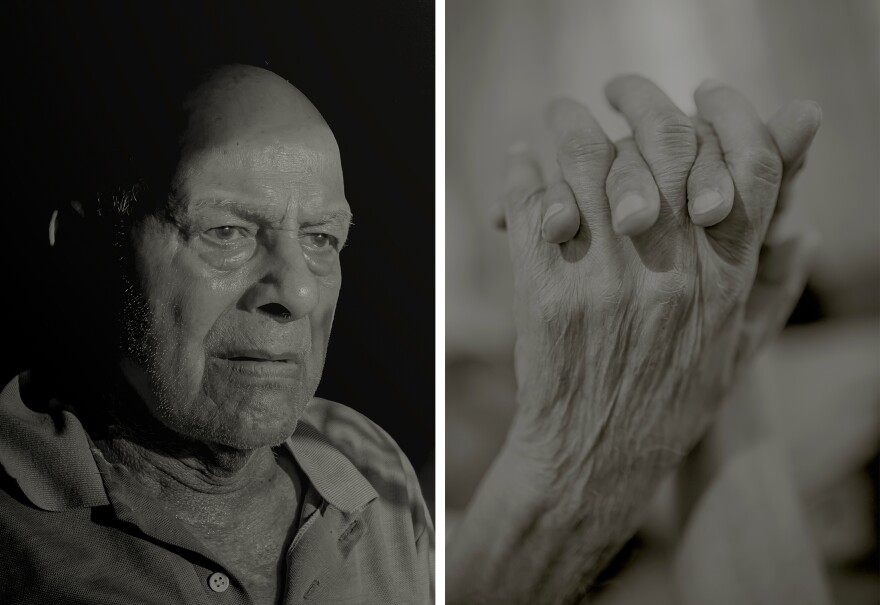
x: 71, y: 533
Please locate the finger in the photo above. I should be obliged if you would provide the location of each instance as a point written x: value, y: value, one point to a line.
x: 632, y: 192
x: 561, y: 218
x: 748, y: 148
x: 523, y: 179
x: 665, y: 136
x: 709, y: 187
x: 793, y: 129
x: 584, y: 154
x: 524, y: 184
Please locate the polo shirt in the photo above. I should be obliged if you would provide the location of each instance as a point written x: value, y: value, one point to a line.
x: 70, y: 532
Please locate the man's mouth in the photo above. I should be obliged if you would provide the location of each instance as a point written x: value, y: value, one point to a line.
x: 263, y: 355
x: 259, y: 365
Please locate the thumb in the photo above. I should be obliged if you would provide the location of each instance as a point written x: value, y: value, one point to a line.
x: 793, y: 128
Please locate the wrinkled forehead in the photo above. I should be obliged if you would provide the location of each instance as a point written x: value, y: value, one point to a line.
x: 278, y: 170
x: 290, y: 152
x: 256, y: 135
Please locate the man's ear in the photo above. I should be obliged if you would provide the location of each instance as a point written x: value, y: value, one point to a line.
x: 68, y: 216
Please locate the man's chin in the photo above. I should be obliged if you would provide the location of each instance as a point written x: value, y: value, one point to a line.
x: 245, y: 425
x: 250, y: 418
x: 252, y: 438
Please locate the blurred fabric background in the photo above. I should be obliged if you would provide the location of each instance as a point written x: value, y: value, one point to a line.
x: 820, y: 382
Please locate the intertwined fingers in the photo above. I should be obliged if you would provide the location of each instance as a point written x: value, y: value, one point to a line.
x: 632, y: 192
x: 751, y: 157
x: 585, y: 155
x: 637, y: 172
x: 709, y: 188
x: 665, y: 135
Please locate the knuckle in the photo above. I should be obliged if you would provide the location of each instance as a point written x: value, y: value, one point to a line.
x: 583, y: 148
x: 763, y: 165
x: 628, y: 163
x: 625, y: 171
x: 706, y: 175
x: 525, y: 196
x: 675, y: 136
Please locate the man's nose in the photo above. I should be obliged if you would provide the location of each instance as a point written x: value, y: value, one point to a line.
x: 287, y: 289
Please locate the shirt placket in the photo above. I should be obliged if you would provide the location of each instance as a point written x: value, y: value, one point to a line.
x: 216, y: 583
x: 319, y: 552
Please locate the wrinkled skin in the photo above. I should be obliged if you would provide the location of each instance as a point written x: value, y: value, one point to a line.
x: 644, y: 281
x: 652, y: 325
x: 243, y: 262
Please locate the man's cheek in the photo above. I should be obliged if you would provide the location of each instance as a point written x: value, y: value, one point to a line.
x: 186, y: 307
x: 322, y: 316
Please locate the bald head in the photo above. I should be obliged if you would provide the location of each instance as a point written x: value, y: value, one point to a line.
x: 242, y: 117
x: 241, y: 102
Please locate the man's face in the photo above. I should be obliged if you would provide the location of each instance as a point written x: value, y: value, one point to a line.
x: 238, y: 284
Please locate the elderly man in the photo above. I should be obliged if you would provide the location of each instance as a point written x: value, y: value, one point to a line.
x: 185, y: 459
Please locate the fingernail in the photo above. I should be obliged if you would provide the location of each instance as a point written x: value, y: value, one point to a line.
x: 710, y: 84
x: 546, y: 225
x: 706, y: 202
x: 553, y: 210
x: 629, y: 206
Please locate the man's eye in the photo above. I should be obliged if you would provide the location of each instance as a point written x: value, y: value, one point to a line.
x: 320, y: 240
x: 226, y: 234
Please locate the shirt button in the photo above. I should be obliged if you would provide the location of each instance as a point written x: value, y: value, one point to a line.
x: 218, y: 582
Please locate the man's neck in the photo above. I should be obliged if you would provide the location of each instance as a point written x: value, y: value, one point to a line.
x: 207, y: 486
x: 242, y: 505
x: 243, y: 508
x: 189, y: 472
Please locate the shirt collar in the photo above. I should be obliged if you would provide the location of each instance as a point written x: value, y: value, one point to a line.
x: 329, y: 471
x: 45, y: 449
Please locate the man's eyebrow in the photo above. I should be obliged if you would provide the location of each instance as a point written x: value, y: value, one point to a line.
x: 243, y: 209
x: 340, y: 217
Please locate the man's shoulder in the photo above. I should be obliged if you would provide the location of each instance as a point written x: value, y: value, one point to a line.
x: 359, y: 438
x: 373, y: 452
x: 376, y: 455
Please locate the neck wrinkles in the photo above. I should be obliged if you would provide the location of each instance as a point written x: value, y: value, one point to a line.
x: 165, y: 462
x: 188, y: 469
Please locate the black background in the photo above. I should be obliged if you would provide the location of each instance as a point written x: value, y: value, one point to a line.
x: 367, y: 66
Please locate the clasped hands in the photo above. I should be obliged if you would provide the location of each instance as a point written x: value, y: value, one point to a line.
x: 642, y: 277
x: 644, y: 280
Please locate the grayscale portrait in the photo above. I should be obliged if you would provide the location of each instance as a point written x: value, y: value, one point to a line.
x: 663, y: 268
x: 189, y: 183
